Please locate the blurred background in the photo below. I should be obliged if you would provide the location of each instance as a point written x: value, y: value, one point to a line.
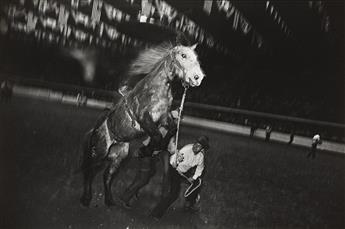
x: 277, y: 57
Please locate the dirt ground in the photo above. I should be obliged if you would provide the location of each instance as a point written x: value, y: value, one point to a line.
x: 248, y: 183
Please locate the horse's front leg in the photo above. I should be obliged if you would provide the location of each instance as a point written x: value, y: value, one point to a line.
x: 117, y: 153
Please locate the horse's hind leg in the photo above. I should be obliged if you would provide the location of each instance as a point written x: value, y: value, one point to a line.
x: 91, y: 165
x: 89, y: 175
x: 116, y: 154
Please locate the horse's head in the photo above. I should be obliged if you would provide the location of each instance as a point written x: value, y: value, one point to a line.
x: 187, y: 65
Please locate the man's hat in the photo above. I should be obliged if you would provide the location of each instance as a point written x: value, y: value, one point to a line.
x: 203, y: 140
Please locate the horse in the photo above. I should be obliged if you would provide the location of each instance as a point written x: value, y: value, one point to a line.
x: 138, y: 113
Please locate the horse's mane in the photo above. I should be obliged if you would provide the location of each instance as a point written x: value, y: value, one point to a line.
x: 146, y: 60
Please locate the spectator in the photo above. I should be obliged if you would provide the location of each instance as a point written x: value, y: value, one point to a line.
x: 268, y: 133
x: 253, y: 128
x: 6, y: 91
x: 316, y: 140
x: 292, y: 136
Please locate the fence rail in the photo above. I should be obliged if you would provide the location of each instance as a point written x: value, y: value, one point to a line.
x: 263, y: 115
x: 100, y: 98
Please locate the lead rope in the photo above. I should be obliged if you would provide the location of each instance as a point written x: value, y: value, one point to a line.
x: 179, y: 119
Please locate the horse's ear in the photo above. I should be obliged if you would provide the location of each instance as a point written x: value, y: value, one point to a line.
x: 194, y: 46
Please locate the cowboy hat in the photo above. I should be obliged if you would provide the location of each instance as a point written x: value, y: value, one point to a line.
x: 203, y: 140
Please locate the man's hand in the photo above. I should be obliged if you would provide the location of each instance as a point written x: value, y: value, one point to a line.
x: 190, y: 179
x: 180, y: 158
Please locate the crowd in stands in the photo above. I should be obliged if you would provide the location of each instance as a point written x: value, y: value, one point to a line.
x: 292, y: 106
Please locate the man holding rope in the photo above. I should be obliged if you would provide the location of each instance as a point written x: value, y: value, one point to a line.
x: 181, y: 164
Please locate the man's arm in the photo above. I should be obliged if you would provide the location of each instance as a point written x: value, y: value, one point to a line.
x: 199, y: 168
x: 173, y: 161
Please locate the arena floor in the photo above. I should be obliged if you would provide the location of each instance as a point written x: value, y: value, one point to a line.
x: 248, y: 183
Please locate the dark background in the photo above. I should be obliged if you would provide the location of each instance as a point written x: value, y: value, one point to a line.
x: 300, y: 75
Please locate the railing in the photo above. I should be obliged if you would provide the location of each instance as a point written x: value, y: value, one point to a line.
x: 253, y: 119
x: 286, y: 124
x: 262, y: 115
x: 67, y: 89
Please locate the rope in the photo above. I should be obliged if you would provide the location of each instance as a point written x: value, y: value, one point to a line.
x: 179, y: 119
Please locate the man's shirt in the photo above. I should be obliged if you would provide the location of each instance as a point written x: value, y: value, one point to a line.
x: 190, y: 160
x: 316, y: 139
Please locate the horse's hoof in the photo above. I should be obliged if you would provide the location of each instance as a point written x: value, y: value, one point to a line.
x: 85, y: 202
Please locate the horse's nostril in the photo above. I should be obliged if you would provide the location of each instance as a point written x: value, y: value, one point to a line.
x: 196, y: 77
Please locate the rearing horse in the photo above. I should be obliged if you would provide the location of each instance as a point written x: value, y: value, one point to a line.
x: 138, y: 113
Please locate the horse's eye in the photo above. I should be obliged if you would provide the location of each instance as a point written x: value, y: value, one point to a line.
x: 183, y: 55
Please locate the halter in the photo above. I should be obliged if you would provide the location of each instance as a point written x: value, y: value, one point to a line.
x: 176, y: 64
x: 179, y: 117
x: 185, y: 86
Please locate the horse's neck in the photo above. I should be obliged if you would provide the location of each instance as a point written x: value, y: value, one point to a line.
x: 156, y: 82
x: 163, y: 74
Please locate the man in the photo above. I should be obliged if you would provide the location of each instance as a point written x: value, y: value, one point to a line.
x: 268, y: 130
x: 253, y: 128
x: 6, y: 91
x: 292, y: 136
x: 315, y: 141
x: 190, y: 156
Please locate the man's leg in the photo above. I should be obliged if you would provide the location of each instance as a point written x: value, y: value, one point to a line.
x: 251, y: 131
x: 191, y: 199
x: 312, y: 152
x: 267, y: 138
